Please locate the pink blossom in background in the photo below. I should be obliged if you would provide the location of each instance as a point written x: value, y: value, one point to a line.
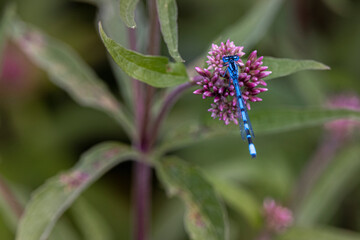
x: 277, y: 217
x: 12, y: 69
x: 16, y: 75
x: 346, y: 101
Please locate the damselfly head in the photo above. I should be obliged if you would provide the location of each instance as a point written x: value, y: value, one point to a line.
x: 230, y: 58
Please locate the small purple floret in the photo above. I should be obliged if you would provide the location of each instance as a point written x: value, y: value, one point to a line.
x: 277, y: 218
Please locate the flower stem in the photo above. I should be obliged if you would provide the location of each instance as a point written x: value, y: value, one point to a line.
x: 143, y: 96
x: 154, y: 31
x: 142, y: 194
x: 168, y: 103
x: 142, y: 171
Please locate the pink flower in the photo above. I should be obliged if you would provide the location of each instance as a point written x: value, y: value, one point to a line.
x: 214, y: 85
x: 277, y: 218
x: 225, y: 49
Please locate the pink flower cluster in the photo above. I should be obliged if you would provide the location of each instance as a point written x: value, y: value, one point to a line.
x: 277, y: 218
x: 215, y: 85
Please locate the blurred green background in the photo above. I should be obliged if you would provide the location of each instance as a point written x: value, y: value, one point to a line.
x: 43, y: 131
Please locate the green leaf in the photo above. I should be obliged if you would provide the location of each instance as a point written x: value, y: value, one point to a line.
x: 318, y: 233
x: 52, y: 199
x: 167, y: 11
x: 276, y: 120
x: 8, y: 14
x: 68, y: 71
x: 153, y: 70
x: 90, y: 222
x: 279, y: 120
x: 249, y: 30
x: 127, y: 12
x: 62, y: 231
x: 239, y: 199
x: 339, y: 178
x: 281, y: 67
x: 205, y: 216
x: 264, y: 121
x: 109, y: 16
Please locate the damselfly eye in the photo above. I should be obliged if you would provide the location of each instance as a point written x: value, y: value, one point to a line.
x: 225, y: 59
x: 236, y: 58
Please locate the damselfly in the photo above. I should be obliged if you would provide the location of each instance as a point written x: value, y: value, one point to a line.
x: 232, y: 67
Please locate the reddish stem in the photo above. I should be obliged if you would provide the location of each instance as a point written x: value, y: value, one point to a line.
x: 143, y: 95
x: 168, y: 103
x: 142, y: 184
x: 154, y: 31
x: 142, y: 172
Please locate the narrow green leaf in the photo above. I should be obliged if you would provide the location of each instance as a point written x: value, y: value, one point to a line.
x: 3, y: 27
x: 205, y: 216
x: 167, y: 11
x: 318, y: 233
x: 62, y: 231
x: 90, y: 222
x: 340, y: 177
x: 70, y: 72
x: 276, y: 120
x: 127, y: 12
x: 264, y: 121
x: 50, y: 201
x: 153, y: 70
x: 6, y: 18
x: 281, y: 67
x: 239, y: 199
x: 250, y: 29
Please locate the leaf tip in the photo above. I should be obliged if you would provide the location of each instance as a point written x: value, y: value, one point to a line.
x: 322, y: 66
x: 179, y: 59
x: 101, y: 31
x: 100, y: 26
x: 326, y: 67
